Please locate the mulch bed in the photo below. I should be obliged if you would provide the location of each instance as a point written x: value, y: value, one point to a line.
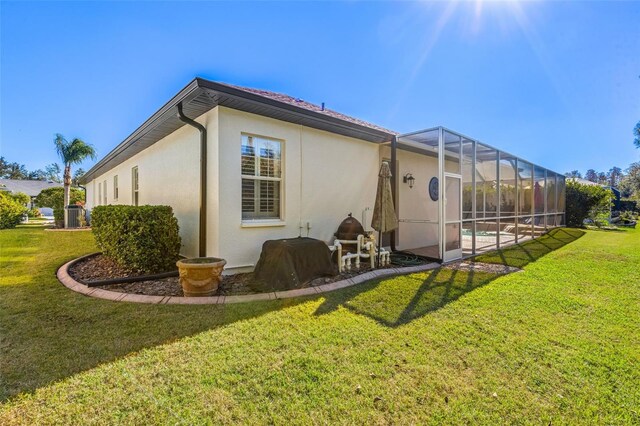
x: 100, y: 267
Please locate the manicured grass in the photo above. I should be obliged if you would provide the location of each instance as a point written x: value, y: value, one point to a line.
x: 557, y: 343
x: 522, y: 254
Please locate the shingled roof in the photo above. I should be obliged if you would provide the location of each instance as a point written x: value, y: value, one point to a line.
x: 281, y: 97
x: 29, y: 187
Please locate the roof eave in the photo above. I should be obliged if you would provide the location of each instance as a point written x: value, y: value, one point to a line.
x: 198, y: 85
x: 181, y: 96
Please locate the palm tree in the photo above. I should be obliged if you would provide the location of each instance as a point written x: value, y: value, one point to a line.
x: 73, y: 152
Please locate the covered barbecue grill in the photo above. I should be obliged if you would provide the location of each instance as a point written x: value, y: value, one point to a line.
x: 290, y: 263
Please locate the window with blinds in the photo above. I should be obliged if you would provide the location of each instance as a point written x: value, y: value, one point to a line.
x: 261, y: 178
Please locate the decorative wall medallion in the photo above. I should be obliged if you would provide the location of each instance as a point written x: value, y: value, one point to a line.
x: 433, y: 188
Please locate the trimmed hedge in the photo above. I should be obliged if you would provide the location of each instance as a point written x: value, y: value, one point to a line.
x: 140, y: 238
x: 11, y: 211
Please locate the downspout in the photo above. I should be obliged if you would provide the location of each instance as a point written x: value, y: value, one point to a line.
x: 85, y: 193
x: 394, y: 172
x: 202, y: 247
x: 86, y: 215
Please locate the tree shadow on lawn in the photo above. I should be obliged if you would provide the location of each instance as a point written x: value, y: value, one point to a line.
x: 48, y: 333
x: 520, y: 255
x: 399, y: 300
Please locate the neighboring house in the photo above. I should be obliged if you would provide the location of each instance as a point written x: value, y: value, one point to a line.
x: 280, y: 167
x: 30, y: 187
x: 584, y: 181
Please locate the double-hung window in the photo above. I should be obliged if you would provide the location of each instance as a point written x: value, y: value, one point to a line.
x: 261, y: 178
x: 134, y: 186
x: 115, y: 187
x: 104, y: 192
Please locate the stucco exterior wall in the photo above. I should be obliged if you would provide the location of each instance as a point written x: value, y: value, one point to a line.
x: 168, y: 174
x: 325, y: 177
x: 414, y: 204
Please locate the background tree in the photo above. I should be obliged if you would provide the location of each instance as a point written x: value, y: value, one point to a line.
x: 54, y: 198
x: 15, y: 171
x: 591, y: 175
x: 630, y: 184
x: 614, y: 176
x: 602, y: 178
x: 4, y: 167
x: 53, y: 172
x: 77, y: 175
x: 19, y: 171
x: 38, y: 174
x: 71, y: 152
x: 574, y: 174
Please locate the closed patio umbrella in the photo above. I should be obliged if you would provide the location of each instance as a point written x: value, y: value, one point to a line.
x: 384, y: 215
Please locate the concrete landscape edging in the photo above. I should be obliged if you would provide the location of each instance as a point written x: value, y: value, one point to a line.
x: 66, y: 280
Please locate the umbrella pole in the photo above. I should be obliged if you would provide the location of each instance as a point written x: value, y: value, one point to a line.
x: 379, y: 242
x: 379, y: 248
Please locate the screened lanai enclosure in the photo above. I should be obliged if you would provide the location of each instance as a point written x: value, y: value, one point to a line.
x: 457, y: 197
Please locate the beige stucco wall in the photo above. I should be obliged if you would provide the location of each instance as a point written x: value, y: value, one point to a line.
x: 169, y: 174
x: 325, y: 177
x: 414, y: 204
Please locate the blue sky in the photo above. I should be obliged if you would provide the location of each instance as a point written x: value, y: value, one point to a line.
x: 557, y: 83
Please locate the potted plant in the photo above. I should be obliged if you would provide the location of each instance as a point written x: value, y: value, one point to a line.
x: 200, y: 276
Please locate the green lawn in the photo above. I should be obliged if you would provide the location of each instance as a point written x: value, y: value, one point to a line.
x: 558, y: 343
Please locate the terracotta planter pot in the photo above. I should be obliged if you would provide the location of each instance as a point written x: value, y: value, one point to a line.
x: 200, y: 276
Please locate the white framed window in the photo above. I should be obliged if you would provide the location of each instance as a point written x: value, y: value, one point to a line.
x: 104, y: 192
x: 261, y: 169
x: 99, y: 200
x: 134, y: 186
x: 115, y: 187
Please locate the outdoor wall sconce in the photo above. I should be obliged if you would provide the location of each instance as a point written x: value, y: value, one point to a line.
x: 408, y: 178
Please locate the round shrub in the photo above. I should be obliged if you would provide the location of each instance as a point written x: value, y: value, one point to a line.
x: 34, y: 213
x: 140, y: 238
x: 11, y: 211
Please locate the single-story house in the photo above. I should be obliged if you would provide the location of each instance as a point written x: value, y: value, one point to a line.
x: 241, y: 166
x: 30, y: 187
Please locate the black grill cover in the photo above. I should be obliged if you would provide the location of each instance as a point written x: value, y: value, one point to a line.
x: 288, y: 264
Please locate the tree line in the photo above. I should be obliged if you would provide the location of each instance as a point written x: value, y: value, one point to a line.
x: 626, y: 181
x: 52, y: 172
